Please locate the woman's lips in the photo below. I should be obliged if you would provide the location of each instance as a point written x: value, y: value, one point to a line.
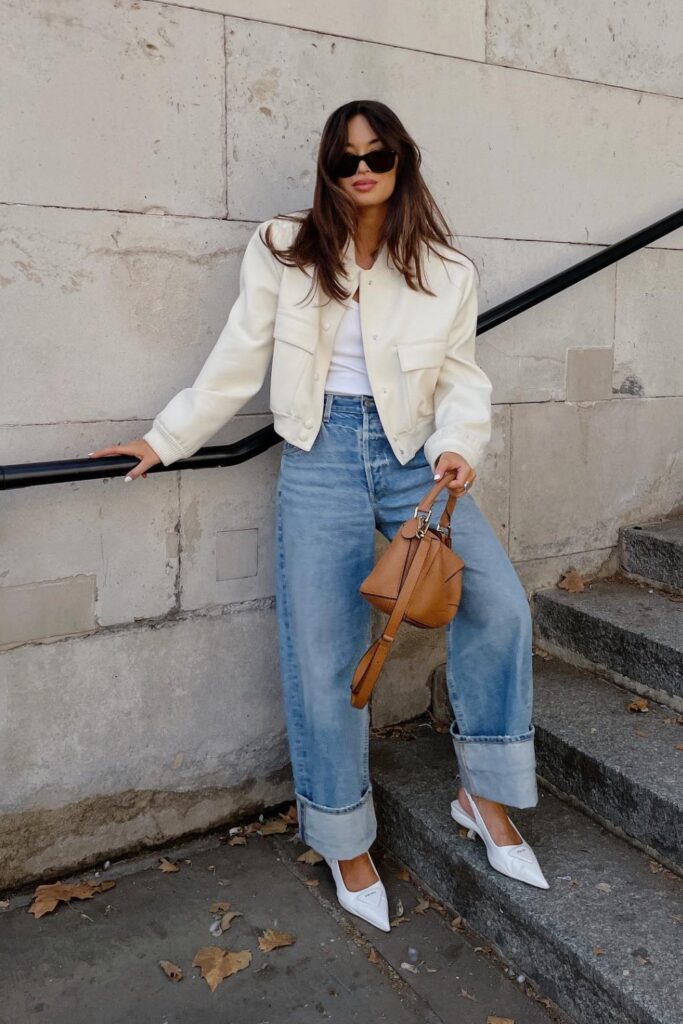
x: 364, y: 186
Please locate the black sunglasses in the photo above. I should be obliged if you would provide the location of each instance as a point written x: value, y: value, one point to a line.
x: 378, y: 160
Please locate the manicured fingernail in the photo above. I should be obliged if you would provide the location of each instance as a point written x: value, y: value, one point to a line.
x: 127, y: 479
x: 90, y: 453
x: 437, y: 476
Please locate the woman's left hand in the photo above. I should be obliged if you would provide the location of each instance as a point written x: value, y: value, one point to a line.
x: 463, y: 472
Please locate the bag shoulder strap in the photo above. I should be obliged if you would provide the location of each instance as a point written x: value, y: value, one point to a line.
x: 370, y: 665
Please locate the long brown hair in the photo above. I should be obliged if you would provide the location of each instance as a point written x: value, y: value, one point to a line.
x: 413, y: 219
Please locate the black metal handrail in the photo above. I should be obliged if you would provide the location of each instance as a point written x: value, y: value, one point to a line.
x: 29, y: 474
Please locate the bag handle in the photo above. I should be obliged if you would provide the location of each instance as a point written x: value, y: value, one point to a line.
x: 426, y: 502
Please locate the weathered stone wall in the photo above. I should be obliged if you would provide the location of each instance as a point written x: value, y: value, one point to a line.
x: 139, y: 693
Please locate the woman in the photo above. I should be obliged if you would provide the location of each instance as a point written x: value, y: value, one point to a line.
x: 376, y: 391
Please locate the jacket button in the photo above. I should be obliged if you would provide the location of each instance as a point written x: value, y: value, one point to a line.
x: 309, y: 423
x: 374, y: 337
x: 316, y: 376
x: 384, y: 390
x: 302, y: 437
x: 326, y: 327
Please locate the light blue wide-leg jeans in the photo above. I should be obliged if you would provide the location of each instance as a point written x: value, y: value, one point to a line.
x: 329, y: 502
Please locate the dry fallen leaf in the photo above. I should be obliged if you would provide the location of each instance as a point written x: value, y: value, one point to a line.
x: 373, y: 956
x: 500, y: 1020
x: 420, y: 907
x: 46, y: 897
x: 403, y: 874
x: 598, y: 950
x: 228, y: 918
x: 638, y: 704
x: 573, y: 582
x: 167, y: 865
x: 171, y: 970
x: 413, y: 968
x: 396, y: 921
x: 604, y: 886
x: 253, y: 826
x: 679, y: 746
x: 273, y: 827
x: 217, y: 964
x: 274, y: 940
x: 291, y: 816
x: 237, y: 841
x: 310, y: 857
x: 220, y: 907
x: 466, y: 994
x: 312, y: 882
x: 4, y: 904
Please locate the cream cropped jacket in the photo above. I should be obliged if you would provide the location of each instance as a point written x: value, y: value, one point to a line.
x: 419, y: 352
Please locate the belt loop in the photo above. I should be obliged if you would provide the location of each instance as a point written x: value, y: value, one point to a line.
x: 328, y: 406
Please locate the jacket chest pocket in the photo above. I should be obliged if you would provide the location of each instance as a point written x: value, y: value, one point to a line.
x: 294, y: 346
x: 421, y: 360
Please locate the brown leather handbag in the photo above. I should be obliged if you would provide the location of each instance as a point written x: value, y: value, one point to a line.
x: 418, y: 579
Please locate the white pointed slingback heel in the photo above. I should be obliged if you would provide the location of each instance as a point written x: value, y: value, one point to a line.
x: 516, y: 860
x: 370, y: 903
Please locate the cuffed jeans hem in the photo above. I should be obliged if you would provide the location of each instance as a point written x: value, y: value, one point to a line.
x: 338, y: 833
x: 500, y: 768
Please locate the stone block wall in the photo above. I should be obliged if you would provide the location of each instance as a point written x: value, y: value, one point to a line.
x: 139, y: 695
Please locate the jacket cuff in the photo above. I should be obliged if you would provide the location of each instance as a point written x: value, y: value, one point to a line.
x: 166, y: 447
x: 448, y: 440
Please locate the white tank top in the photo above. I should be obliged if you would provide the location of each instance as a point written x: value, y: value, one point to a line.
x: 347, y: 373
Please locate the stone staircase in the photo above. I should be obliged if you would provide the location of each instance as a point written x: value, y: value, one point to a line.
x: 605, y: 942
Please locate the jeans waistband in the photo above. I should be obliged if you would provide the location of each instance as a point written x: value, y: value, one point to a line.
x: 349, y: 403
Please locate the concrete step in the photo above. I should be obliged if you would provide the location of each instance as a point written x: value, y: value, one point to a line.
x: 629, y: 631
x: 604, y: 941
x: 654, y: 551
x: 621, y: 765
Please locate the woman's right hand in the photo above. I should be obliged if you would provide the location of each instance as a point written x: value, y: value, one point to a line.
x: 138, y: 448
